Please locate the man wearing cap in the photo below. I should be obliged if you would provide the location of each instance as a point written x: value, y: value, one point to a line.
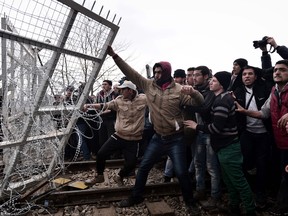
x: 180, y: 76
x: 225, y: 142
x: 165, y: 99
x: 130, y: 111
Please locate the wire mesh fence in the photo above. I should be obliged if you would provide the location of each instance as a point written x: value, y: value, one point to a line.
x: 45, y: 47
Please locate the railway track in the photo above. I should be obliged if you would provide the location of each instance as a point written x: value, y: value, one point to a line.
x: 103, y: 192
x: 102, y: 199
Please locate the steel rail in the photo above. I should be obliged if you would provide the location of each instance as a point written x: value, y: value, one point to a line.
x: 102, y: 195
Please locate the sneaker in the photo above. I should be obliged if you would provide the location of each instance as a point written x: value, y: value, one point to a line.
x: 131, y: 201
x: 278, y: 211
x: 211, y: 204
x: 97, y: 179
x: 199, y: 195
x: 119, y: 180
x: 193, y: 210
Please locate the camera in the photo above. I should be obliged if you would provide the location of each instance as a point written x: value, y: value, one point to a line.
x: 261, y: 43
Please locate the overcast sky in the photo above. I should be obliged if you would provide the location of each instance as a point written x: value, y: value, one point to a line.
x: 191, y: 33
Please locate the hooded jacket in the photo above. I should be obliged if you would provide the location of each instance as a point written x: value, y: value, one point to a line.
x: 164, y: 103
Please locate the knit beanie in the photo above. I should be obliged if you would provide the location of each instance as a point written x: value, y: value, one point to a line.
x: 224, y: 78
x: 241, y: 62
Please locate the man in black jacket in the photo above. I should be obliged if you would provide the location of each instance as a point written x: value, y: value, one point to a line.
x: 255, y: 134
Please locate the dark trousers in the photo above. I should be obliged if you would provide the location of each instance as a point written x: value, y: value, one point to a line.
x: 129, y: 149
x: 105, y: 131
x: 176, y: 150
x: 255, y: 149
x: 282, y: 198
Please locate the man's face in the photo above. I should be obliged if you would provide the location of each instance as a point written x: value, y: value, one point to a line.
x: 280, y: 74
x: 106, y: 87
x: 126, y: 92
x: 214, y: 85
x: 236, y: 68
x: 189, y: 78
x: 68, y: 93
x: 157, y: 73
x: 180, y: 80
x: 198, y: 78
x: 248, y: 77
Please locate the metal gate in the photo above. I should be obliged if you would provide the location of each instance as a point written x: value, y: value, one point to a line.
x: 45, y: 46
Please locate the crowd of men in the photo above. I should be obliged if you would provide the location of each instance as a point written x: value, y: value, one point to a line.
x: 231, y: 125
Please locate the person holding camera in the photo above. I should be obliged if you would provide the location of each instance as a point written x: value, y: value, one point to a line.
x: 266, y: 62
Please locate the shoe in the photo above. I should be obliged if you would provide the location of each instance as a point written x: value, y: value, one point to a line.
x: 131, y: 201
x: 199, y: 195
x: 97, y: 179
x: 260, y: 202
x: 211, y: 204
x: 93, y: 156
x: 260, y: 206
x: 193, y: 210
x: 119, y: 180
x: 278, y: 211
x: 252, y: 172
x: 167, y: 179
x: 250, y: 214
x: 132, y: 174
x: 234, y: 211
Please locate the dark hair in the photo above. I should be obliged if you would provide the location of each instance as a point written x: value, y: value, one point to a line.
x: 191, y: 69
x: 257, y: 71
x: 70, y: 88
x: 284, y: 61
x: 204, y: 70
x: 121, y: 81
x: 108, y: 81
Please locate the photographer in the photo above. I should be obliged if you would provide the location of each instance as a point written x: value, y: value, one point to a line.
x: 266, y: 58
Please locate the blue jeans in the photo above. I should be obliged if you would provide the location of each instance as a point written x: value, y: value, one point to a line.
x: 169, y: 171
x: 176, y: 150
x: 206, y: 159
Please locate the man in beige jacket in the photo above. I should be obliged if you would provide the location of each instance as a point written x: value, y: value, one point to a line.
x: 130, y: 112
x: 165, y: 100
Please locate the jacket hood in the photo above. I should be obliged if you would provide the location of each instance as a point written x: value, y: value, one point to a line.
x: 166, y: 72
